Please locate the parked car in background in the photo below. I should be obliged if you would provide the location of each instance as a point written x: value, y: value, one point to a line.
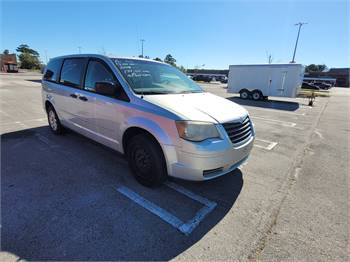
x: 324, y: 86
x: 220, y: 78
x: 224, y: 80
x: 309, y: 86
x: 203, y: 78
x: 163, y: 122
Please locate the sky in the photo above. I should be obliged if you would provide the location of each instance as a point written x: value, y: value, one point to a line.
x: 202, y: 34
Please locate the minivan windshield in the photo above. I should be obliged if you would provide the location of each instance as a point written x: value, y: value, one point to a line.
x: 148, y: 77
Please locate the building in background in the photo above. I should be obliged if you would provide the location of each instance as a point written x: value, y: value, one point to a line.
x: 8, y: 63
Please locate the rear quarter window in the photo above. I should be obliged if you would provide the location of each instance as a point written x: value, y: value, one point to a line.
x: 52, y: 70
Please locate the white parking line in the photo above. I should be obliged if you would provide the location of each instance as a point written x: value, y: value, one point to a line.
x: 272, y: 110
x: 270, y: 145
x: 209, y: 206
x: 24, y: 121
x: 153, y: 208
x: 171, y: 219
x: 283, y: 123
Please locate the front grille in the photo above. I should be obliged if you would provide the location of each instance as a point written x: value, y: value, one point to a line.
x: 239, y: 131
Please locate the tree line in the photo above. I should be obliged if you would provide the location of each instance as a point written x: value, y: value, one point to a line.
x: 29, y: 59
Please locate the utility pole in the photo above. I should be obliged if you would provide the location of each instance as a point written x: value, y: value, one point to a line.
x: 46, y: 56
x: 300, y: 24
x: 142, y: 40
x: 79, y: 49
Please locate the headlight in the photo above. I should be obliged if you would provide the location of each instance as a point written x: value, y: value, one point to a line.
x: 196, y: 130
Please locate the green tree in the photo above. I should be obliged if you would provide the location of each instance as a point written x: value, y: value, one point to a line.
x: 6, y: 52
x: 169, y: 59
x: 181, y: 68
x: 23, y: 48
x: 29, y: 58
x: 158, y: 59
x: 315, y: 68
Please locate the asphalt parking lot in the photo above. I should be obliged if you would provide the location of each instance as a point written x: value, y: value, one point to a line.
x: 69, y: 198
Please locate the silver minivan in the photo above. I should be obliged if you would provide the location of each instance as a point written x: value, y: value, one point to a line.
x: 162, y: 121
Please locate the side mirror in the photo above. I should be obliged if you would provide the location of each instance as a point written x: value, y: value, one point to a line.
x: 107, y: 88
x: 48, y: 74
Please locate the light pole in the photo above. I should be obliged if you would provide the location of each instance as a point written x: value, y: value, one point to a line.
x: 79, y: 49
x: 142, y: 40
x: 46, y: 56
x: 300, y: 24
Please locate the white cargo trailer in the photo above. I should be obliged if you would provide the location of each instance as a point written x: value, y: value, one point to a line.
x: 261, y: 81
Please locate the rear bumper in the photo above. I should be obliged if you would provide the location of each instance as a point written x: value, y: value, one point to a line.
x: 199, y: 167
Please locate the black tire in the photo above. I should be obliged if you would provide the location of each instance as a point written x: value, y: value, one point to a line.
x: 146, y: 160
x: 244, y: 94
x: 54, y: 122
x: 257, y: 95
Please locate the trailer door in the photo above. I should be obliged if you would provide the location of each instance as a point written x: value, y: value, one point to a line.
x: 282, y: 90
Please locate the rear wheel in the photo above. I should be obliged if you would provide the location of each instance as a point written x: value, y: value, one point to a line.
x: 54, y: 122
x: 257, y: 95
x: 244, y: 94
x: 146, y: 160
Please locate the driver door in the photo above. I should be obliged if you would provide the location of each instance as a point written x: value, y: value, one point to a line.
x: 106, y: 109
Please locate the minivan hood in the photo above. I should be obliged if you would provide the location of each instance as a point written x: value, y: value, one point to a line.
x: 199, y: 106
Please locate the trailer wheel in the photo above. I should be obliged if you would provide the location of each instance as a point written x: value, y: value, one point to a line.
x: 244, y: 94
x: 257, y: 95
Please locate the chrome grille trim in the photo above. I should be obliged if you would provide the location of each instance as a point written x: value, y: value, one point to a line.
x: 238, y: 131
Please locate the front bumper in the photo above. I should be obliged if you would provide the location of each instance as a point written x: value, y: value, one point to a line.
x: 207, y: 165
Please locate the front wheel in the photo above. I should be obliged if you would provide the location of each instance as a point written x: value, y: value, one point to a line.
x: 146, y: 160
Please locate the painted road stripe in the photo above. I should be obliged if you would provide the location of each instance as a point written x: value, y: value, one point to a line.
x: 171, y: 219
x: 209, y: 206
x: 283, y: 123
x: 270, y: 145
x: 189, y: 194
x: 24, y: 121
x: 153, y: 208
x: 274, y: 110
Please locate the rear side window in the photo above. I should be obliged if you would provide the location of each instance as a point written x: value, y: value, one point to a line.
x: 52, y: 70
x: 97, y: 72
x: 72, y: 71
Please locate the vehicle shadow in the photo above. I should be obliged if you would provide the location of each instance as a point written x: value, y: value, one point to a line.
x: 34, y: 80
x: 273, y: 104
x: 59, y: 202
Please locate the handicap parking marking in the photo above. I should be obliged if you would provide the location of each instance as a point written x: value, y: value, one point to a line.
x: 274, y: 121
x: 270, y: 144
x: 184, y: 227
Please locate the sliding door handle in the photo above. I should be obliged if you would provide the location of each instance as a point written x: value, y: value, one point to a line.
x: 83, y: 98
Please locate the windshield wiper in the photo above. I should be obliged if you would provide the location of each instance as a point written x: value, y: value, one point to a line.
x: 189, y: 92
x: 152, y: 93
